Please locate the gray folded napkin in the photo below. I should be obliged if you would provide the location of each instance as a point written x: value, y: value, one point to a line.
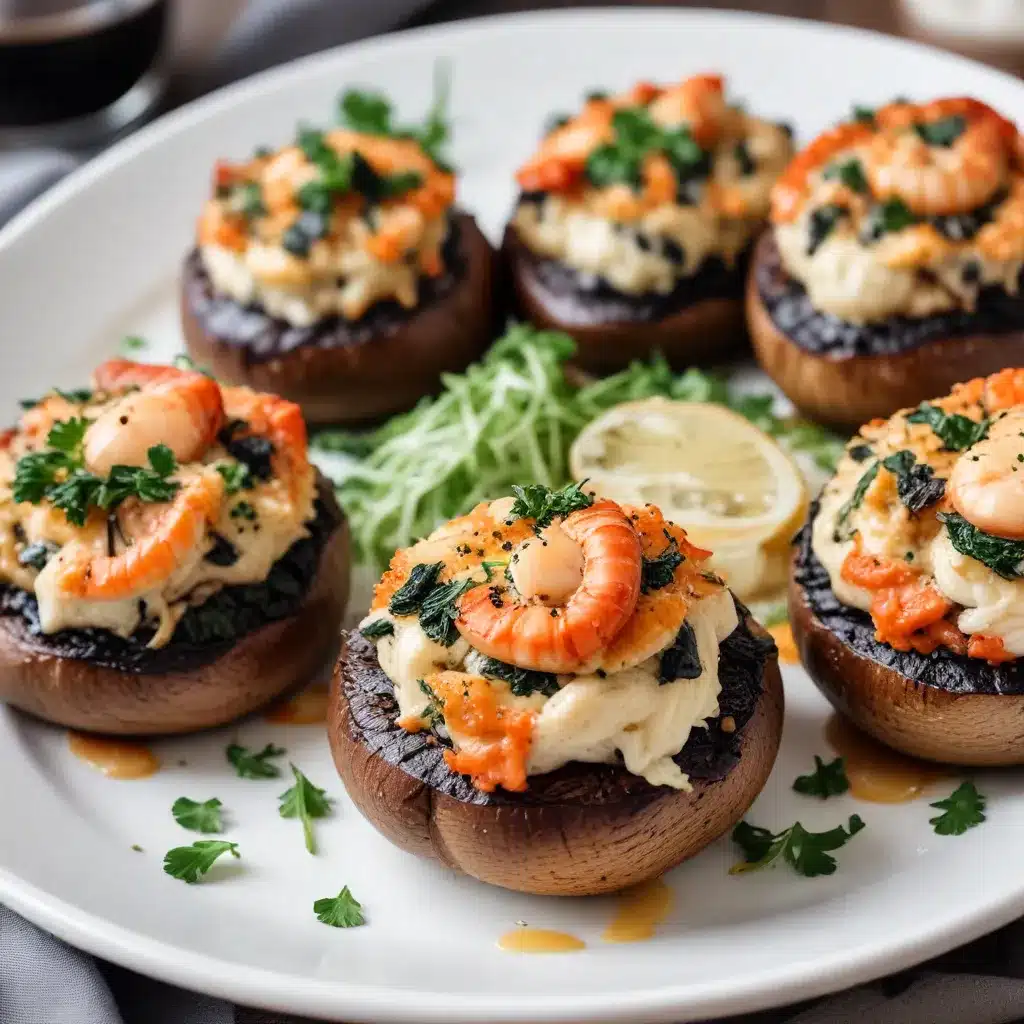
x: 45, y: 981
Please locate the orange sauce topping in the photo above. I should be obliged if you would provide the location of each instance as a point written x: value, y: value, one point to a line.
x: 641, y: 909
x: 782, y: 634
x: 539, y: 940
x: 117, y: 759
x: 306, y: 708
x: 498, y: 737
x: 876, y: 773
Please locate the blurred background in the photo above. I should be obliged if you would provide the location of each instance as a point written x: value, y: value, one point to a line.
x: 76, y: 74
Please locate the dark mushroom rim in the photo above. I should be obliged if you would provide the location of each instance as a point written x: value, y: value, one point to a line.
x: 789, y: 307
x: 709, y: 754
x: 713, y: 279
x: 205, y: 632
x: 264, y: 337
x: 942, y: 669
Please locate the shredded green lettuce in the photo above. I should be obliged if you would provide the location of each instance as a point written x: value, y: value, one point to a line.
x: 509, y: 419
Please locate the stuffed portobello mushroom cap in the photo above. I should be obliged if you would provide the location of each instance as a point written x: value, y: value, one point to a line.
x: 338, y: 273
x: 633, y: 229
x: 893, y: 265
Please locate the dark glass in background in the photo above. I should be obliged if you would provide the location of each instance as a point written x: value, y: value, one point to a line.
x: 78, y: 71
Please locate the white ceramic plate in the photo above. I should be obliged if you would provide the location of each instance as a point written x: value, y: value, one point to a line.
x: 97, y: 258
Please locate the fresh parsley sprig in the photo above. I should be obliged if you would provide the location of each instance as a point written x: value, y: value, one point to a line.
x: 371, y: 113
x: 963, y: 809
x: 305, y: 802
x: 253, y: 764
x: 190, y: 863
x: 341, y: 911
x: 826, y: 780
x: 542, y: 504
x: 807, y: 853
x: 198, y: 817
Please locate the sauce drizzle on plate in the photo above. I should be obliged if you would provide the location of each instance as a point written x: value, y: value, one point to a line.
x: 539, y: 940
x: 641, y: 909
x: 876, y: 773
x: 117, y: 759
x: 306, y: 708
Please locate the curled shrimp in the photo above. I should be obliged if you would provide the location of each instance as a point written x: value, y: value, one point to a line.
x: 560, y: 161
x: 985, y: 486
x: 181, y: 409
x: 155, y: 540
x: 698, y: 102
x: 790, y: 191
x: 253, y: 413
x: 939, y: 179
x: 659, y: 613
x: 527, y: 631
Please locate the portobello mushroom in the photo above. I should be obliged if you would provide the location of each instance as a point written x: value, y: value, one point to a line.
x: 699, y: 321
x: 583, y: 829
x: 635, y: 221
x: 231, y: 655
x: 941, y: 706
x: 882, y: 281
x: 343, y: 371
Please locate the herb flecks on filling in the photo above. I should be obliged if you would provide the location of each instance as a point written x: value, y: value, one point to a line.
x: 642, y: 188
x: 152, y: 543
x: 908, y: 210
x: 338, y: 221
x: 917, y: 528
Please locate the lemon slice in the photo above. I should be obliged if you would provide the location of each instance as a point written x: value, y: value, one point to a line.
x: 729, y: 484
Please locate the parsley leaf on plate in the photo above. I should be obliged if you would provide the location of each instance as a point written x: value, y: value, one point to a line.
x: 251, y: 764
x: 826, y: 780
x: 305, y: 802
x: 190, y: 863
x: 807, y: 853
x: 963, y: 809
x: 341, y: 911
x: 198, y: 817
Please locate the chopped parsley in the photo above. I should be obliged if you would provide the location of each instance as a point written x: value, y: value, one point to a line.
x: 243, y: 510
x: 371, y: 113
x: 542, y: 504
x: 409, y: 596
x: 305, y: 802
x: 254, y: 764
x: 1000, y: 555
x: 956, y: 432
x: 198, y: 817
x: 522, y: 681
x: 807, y: 853
x: 237, y: 476
x: 682, y: 659
x: 659, y: 571
x: 190, y: 863
x: 850, y: 173
x: 826, y: 780
x: 58, y: 475
x: 433, y: 713
x: 963, y: 809
x: 133, y: 343
x: 860, y: 452
x: 822, y: 222
x: 341, y: 911
x: 637, y: 135
x: 378, y: 628
x: 943, y: 132
x: 863, y: 115
x: 888, y: 216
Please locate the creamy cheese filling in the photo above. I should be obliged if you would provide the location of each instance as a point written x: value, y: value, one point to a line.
x: 591, y: 718
x: 339, y: 278
x: 652, y: 252
x: 881, y: 525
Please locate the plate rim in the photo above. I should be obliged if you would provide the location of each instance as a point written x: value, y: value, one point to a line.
x: 247, y: 985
